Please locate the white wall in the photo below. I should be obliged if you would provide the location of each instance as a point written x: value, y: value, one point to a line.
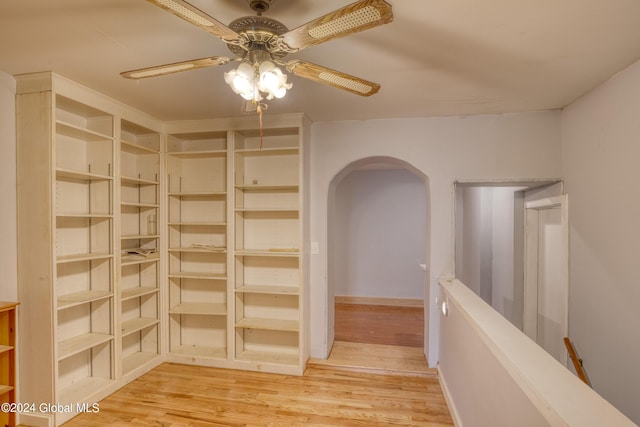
x: 485, y: 246
x: 601, y: 152
x: 8, y: 251
x: 380, y: 224
x: 444, y: 149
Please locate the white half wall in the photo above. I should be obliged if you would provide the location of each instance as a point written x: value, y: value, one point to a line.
x: 601, y: 151
x: 8, y: 242
x: 488, y: 147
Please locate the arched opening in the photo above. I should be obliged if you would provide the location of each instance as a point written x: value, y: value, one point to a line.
x: 378, y: 243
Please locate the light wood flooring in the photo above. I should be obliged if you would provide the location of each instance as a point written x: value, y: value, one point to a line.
x: 184, y: 395
x: 361, y: 384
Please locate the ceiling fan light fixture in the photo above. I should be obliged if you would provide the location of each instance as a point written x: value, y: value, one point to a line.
x: 257, y: 81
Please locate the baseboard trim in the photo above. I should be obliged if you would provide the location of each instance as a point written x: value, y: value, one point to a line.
x: 394, y: 302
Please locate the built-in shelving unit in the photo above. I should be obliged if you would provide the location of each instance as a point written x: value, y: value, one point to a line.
x: 83, y: 248
x: 140, y: 271
x: 88, y: 180
x: 141, y: 242
x: 268, y: 243
x: 197, y: 204
x: 7, y: 360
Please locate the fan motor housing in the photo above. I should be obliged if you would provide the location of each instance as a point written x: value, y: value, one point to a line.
x: 259, y: 31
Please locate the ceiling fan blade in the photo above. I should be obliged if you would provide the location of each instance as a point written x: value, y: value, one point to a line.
x: 358, y: 16
x: 333, y: 78
x: 175, y: 67
x: 192, y: 14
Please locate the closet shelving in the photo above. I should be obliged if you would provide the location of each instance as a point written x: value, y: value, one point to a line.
x: 197, y: 205
x: 139, y: 246
x: 141, y: 242
x: 268, y: 243
x: 88, y: 189
x: 83, y: 248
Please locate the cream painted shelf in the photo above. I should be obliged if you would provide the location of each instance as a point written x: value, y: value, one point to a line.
x: 78, y: 344
x: 208, y: 309
x: 268, y: 324
x: 140, y: 291
x: 80, y: 390
x: 268, y: 289
x: 200, y: 351
x: 82, y: 297
x: 134, y: 325
x: 278, y: 358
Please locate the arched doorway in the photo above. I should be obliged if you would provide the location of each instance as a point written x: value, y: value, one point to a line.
x: 378, y: 235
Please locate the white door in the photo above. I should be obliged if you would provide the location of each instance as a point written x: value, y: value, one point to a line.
x: 546, y: 285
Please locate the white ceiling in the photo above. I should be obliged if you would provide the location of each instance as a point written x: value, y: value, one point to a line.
x: 438, y: 57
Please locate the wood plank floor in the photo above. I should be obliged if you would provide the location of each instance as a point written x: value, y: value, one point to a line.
x: 184, y: 395
x: 379, y: 324
x: 378, y: 358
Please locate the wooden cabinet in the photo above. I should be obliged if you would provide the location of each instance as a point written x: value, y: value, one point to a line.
x: 7, y: 359
x: 87, y: 182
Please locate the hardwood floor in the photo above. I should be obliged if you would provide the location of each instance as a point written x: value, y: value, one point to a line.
x: 378, y: 358
x: 361, y: 384
x: 184, y: 395
x: 379, y: 324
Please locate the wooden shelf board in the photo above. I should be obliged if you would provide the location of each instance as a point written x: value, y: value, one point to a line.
x: 83, y: 297
x: 197, y: 193
x: 267, y: 210
x: 136, y: 360
x: 196, y: 275
x: 135, y: 148
x: 217, y: 250
x: 79, y: 132
x: 268, y: 151
x: 140, y: 205
x: 259, y: 188
x: 5, y: 348
x: 137, y: 181
x: 81, y: 176
x: 268, y: 357
x: 137, y: 259
x: 5, y: 389
x: 268, y: 289
x: 268, y: 324
x: 200, y: 351
x: 198, y: 224
x: 63, y: 215
x: 83, y: 257
x: 201, y: 153
x: 75, y: 345
x: 139, y: 236
x: 266, y: 253
x: 137, y: 324
x: 80, y: 390
x: 204, y: 308
x: 137, y: 292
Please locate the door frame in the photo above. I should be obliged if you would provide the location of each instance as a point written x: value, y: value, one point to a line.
x: 531, y: 223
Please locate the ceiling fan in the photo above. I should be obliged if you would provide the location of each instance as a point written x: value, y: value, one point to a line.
x: 261, y: 43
